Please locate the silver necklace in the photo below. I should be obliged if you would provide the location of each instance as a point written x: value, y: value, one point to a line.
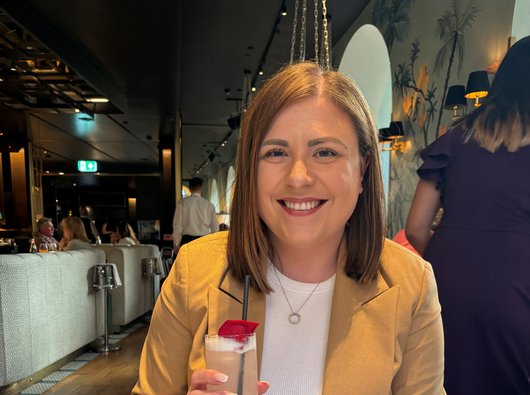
x: 295, y: 317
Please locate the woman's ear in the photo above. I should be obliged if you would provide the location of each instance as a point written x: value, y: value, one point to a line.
x: 365, y: 160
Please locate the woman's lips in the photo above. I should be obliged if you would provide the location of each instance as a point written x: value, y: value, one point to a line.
x: 301, y: 207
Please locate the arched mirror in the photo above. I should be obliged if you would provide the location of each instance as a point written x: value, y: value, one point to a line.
x: 214, y: 195
x: 371, y: 72
x: 230, y: 178
x: 521, y: 18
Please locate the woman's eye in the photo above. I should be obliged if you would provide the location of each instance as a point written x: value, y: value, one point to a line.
x: 274, y: 153
x: 325, y: 153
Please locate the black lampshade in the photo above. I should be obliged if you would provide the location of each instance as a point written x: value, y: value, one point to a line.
x: 478, y: 84
x: 455, y: 97
x: 395, y: 130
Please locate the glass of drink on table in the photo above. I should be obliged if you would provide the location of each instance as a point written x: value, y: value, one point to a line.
x: 43, y: 247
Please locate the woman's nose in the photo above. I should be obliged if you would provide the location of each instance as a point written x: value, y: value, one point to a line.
x: 300, y: 174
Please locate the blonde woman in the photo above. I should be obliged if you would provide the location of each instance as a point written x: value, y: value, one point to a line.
x: 479, y: 172
x: 74, y: 235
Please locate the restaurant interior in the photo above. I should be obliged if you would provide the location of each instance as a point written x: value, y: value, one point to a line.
x: 116, y: 105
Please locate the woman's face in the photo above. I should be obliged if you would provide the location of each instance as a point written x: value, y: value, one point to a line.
x: 67, y: 233
x: 309, y: 173
x: 114, y: 237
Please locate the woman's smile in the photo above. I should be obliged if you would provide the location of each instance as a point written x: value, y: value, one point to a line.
x: 301, y: 207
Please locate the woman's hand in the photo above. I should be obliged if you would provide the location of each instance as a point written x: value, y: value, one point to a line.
x: 201, y: 378
x: 62, y: 244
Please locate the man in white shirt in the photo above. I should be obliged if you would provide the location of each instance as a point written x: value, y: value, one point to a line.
x: 194, y: 217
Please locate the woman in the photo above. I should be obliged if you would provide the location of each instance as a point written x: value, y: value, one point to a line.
x: 341, y: 309
x: 74, y: 235
x: 123, y: 233
x: 478, y: 172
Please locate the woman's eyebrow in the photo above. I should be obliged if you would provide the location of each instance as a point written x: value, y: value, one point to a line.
x: 281, y: 142
x: 312, y: 143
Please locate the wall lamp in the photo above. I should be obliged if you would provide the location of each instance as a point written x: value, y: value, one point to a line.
x: 394, y: 133
x: 456, y: 100
x: 477, y: 86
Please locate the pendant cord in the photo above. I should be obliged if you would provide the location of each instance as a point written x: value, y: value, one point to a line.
x: 287, y: 299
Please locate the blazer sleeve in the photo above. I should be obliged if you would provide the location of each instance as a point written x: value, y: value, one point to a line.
x: 164, y: 359
x: 422, y: 365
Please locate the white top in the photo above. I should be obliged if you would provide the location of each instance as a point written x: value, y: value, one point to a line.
x: 194, y: 216
x: 294, y: 354
x: 76, y: 244
x: 127, y: 241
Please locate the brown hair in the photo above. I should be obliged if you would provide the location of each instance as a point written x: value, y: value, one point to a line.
x: 504, y: 117
x: 76, y: 226
x: 248, y: 243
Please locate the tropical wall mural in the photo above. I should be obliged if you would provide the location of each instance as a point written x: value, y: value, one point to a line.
x: 432, y: 45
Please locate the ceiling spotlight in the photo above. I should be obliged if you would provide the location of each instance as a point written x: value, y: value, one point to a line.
x: 227, y: 91
x: 76, y: 110
x: 61, y: 173
x: 260, y: 71
x: 97, y: 100
x: 284, y: 10
x: 253, y: 89
x: 13, y: 66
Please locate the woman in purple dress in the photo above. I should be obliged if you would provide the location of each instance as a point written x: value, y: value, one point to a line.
x: 479, y: 172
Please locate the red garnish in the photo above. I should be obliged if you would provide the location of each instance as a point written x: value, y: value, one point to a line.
x: 238, y: 328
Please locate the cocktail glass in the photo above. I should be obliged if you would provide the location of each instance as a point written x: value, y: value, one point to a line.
x: 43, y: 247
x: 235, y: 356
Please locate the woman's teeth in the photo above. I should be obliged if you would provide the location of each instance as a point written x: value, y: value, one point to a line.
x: 302, y: 206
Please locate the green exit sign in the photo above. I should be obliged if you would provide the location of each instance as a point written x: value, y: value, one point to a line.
x: 87, y: 166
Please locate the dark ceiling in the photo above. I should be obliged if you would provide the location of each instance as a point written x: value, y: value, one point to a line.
x: 152, y: 60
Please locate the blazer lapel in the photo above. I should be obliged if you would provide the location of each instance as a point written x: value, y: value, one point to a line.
x: 226, y: 303
x: 361, y: 340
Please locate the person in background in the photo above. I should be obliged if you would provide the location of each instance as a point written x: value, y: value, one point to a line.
x: 106, y: 230
x: 479, y: 173
x: 123, y: 233
x: 74, y: 235
x: 401, y: 239
x: 90, y: 225
x: 44, y: 234
x: 194, y: 217
x: 341, y: 309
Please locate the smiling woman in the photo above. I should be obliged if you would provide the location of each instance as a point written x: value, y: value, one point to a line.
x: 357, y: 313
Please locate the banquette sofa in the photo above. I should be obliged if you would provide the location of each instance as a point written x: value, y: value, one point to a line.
x: 49, y: 308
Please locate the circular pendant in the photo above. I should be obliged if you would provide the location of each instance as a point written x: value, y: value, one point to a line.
x: 294, y: 318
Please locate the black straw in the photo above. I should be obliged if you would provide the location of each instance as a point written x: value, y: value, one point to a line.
x: 245, y: 297
x: 240, y: 378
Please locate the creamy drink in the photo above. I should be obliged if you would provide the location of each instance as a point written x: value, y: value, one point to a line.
x: 236, y: 357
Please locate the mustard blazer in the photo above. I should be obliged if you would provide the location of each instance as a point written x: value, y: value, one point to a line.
x: 384, y: 337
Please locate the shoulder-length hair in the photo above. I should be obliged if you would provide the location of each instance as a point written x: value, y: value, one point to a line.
x: 504, y: 117
x: 249, y: 246
x: 76, y: 227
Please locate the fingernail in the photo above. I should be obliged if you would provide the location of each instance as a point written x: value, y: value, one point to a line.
x: 222, y: 378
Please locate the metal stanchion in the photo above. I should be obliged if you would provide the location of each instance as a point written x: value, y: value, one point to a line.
x: 151, y: 269
x: 104, y: 280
